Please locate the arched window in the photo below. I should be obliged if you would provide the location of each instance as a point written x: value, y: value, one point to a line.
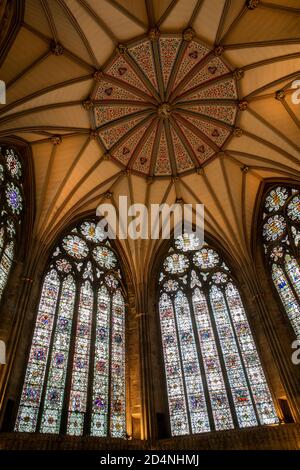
x: 75, y: 377
x: 213, y: 372
x: 281, y: 236
x: 11, y: 207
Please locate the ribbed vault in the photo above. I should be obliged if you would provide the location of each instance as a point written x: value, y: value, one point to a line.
x: 65, y: 52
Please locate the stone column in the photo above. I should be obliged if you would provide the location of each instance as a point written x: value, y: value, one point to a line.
x: 147, y: 405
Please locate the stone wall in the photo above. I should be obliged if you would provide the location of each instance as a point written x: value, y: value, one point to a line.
x: 281, y: 437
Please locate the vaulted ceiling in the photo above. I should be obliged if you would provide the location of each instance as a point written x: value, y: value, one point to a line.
x: 160, y: 100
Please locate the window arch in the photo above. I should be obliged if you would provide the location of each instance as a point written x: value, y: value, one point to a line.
x: 213, y: 372
x: 281, y: 238
x: 75, y: 377
x: 11, y: 207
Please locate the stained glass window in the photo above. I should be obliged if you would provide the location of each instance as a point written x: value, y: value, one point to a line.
x: 214, y: 377
x: 11, y: 208
x: 75, y: 376
x: 281, y: 237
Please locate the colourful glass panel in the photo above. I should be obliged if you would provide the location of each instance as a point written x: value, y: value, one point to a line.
x: 191, y: 368
x: 276, y: 199
x: 287, y: 297
x: 274, y: 228
x: 206, y: 258
x: 293, y: 208
x: 214, y: 333
x: 75, y: 246
x: 214, y: 376
x: 14, y: 198
x: 5, y: 264
x: 173, y: 368
x: 187, y: 242
x: 80, y: 370
x: 33, y: 383
x: 104, y: 257
x: 117, y: 376
x: 98, y: 391
x: 101, y: 365
x: 55, y: 389
x: 13, y: 163
x: 236, y: 377
x: 293, y: 271
x: 176, y: 263
x: 92, y: 232
x: 284, y: 228
x: 260, y: 390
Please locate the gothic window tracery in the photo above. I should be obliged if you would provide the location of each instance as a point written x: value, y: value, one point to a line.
x: 75, y: 377
x: 281, y: 238
x: 11, y: 209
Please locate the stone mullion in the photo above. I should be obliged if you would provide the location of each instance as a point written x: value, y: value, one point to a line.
x: 147, y: 406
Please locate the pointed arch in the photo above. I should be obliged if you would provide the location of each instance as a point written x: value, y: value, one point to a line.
x: 280, y: 234
x: 75, y: 377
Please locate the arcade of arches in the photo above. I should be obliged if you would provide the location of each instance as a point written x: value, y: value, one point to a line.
x: 149, y: 343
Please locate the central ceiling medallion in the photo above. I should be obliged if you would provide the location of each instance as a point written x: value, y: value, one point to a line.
x: 164, y: 110
x: 165, y: 104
